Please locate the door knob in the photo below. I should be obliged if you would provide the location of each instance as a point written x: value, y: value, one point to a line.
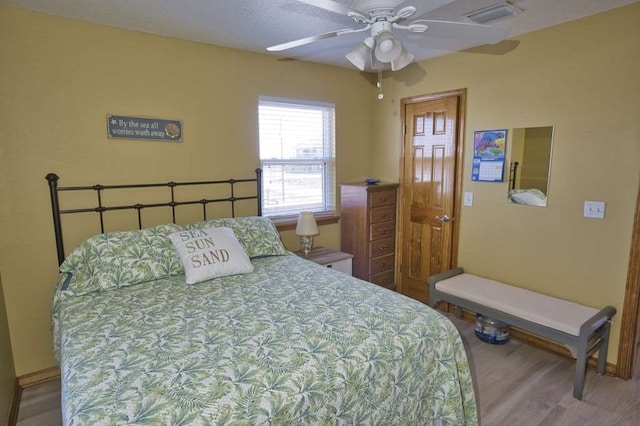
x: 443, y: 218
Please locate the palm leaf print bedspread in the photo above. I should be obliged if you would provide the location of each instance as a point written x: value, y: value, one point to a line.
x: 291, y: 343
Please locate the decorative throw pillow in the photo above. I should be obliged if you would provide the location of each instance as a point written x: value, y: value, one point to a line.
x: 209, y: 253
x: 257, y: 234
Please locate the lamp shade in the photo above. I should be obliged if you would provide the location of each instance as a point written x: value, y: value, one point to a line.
x: 401, y: 61
x: 359, y: 56
x: 307, y: 225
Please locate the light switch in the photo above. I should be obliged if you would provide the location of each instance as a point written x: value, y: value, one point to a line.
x: 468, y: 199
x: 594, y: 209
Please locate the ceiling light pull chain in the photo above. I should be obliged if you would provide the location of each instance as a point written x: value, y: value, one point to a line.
x: 379, y: 84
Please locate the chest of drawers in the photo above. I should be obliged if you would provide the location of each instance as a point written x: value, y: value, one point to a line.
x: 368, y: 230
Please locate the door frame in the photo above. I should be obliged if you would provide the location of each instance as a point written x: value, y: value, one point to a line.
x: 631, y: 305
x: 461, y: 95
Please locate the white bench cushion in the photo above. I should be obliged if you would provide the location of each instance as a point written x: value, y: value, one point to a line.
x: 535, y: 307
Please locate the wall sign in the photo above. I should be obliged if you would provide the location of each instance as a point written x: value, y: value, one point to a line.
x: 488, y: 155
x: 125, y: 127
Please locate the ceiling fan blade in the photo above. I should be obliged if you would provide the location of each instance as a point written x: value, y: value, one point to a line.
x: 478, y: 34
x: 336, y: 7
x: 306, y: 40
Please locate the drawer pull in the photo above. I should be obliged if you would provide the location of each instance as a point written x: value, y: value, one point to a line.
x: 383, y: 247
x: 383, y: 215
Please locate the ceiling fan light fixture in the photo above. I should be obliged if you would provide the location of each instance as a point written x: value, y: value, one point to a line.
x: 387, y: 47
x: 359, y: 56
x: 402, y: 61
x: 370, y: 42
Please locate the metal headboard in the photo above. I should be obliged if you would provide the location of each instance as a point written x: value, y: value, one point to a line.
x: 513, y: 174
x: 54, y: 190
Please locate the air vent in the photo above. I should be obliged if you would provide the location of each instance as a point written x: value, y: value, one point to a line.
x: 492, y: 13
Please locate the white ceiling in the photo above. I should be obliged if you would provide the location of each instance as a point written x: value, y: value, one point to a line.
x: 256, y: 24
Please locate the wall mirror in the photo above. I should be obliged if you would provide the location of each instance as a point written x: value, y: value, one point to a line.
x: 530, y: 165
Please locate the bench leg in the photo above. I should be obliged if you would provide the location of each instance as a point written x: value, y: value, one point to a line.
x: 582, y: 355
x: 602, y: 353
x: 581, y: 371
x: 458, y: 312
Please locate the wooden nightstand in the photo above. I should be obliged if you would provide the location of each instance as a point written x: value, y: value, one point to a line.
x: 330, y: 258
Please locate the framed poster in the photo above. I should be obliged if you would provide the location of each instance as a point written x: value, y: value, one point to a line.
x: 488, y: 155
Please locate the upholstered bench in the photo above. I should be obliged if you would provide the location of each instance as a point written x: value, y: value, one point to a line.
x: 582, y: 329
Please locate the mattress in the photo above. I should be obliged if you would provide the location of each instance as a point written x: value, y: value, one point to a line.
x: 290, y: 343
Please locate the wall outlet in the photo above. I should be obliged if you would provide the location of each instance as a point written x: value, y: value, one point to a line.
x: 468, y: 199
x: 594, y: 209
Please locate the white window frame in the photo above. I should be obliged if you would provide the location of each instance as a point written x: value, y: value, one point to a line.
x: 325, y: 161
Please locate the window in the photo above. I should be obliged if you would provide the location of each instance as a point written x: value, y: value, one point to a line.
x: 297, y: 155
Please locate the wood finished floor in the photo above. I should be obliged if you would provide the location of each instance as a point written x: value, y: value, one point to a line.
x: 516, y: 384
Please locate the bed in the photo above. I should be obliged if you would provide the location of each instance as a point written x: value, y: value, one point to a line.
x: 283, y: 341
x: 527, y: 196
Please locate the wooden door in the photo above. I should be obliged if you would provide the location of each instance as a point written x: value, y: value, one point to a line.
x: 428, y: 189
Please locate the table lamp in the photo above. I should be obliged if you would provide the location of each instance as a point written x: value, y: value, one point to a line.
x: 306, y: 229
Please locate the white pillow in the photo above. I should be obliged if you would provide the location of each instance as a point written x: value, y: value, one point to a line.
x: 531, y: 197
x: 210, y: 253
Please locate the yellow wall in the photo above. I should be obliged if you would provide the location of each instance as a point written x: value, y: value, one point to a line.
x: 581, y: 78
x: 60, y: 79
x: 7, y: 372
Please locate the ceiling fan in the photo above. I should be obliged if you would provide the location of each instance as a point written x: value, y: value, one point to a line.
x: 381, y: 49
